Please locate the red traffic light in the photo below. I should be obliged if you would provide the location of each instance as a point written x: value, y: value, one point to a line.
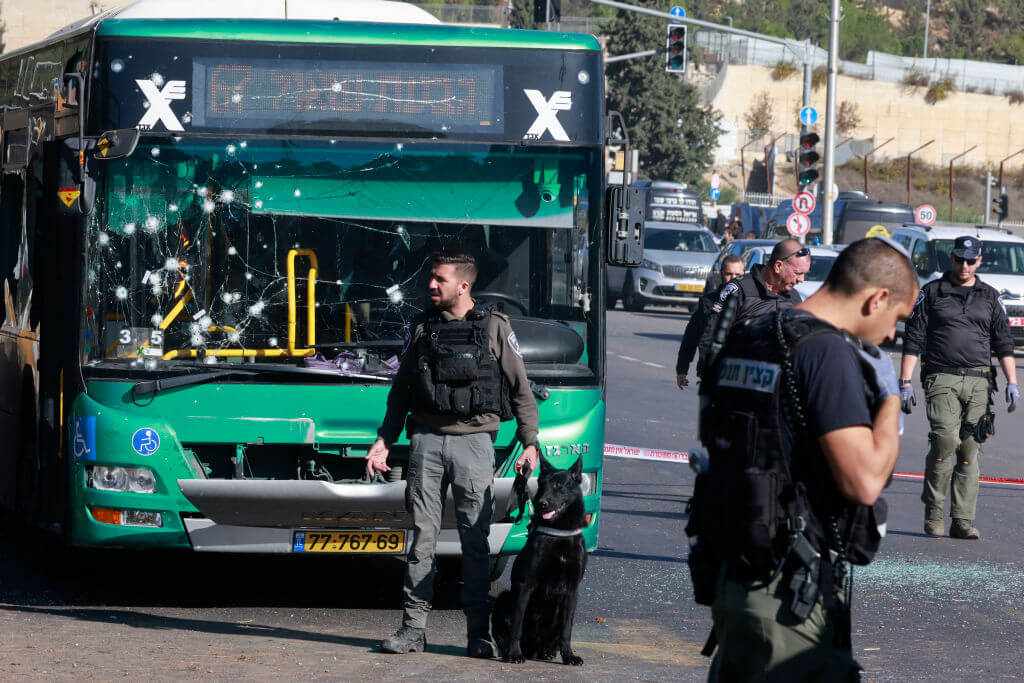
x: 809, y: 140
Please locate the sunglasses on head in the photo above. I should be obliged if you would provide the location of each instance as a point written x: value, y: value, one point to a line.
x: 799, y: 253
x: 968, y: 261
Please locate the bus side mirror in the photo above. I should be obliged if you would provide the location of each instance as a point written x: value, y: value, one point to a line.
x: 116, y: 144
x: 625, y: 225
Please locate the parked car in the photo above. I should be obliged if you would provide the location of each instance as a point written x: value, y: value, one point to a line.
x: 1002, y: 262
x: 737, y: 247
x: 822, y: 260
x: 677, y: 258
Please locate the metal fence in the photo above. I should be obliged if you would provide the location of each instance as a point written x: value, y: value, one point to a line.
x: 493, y: 15
x: 968, y: 75
x: 764, y: 199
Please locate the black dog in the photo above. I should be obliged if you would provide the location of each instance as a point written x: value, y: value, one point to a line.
x: 534, y: 619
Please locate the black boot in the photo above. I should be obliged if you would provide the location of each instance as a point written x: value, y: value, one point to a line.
x: 404, y: 640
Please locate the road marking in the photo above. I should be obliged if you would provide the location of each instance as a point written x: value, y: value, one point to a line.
x: 653, y: 365
x: 638, y: 453
x: 629, y: 358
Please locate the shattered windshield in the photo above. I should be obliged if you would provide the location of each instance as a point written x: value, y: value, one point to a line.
x: 316, y: 253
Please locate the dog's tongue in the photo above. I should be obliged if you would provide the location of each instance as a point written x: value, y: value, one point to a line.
x: 549, y: 515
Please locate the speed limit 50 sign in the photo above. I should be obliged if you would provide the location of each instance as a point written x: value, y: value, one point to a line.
x: 925, y: 214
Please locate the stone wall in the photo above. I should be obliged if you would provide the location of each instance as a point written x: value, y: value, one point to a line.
x: 29, y: 21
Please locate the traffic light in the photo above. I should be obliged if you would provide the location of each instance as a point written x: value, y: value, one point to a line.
x: 808, y: 158
x: 675, y: 49
x: 1001, y: 207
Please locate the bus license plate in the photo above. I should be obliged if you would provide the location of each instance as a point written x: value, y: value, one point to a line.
x: 1017, y: 322
x: 689, y: 288
x: 349, y: 541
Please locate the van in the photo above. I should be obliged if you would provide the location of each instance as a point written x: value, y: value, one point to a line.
x: 862, y: 218
x: 1002, y: 261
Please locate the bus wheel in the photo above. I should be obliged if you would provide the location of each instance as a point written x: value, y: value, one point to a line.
x: 27, y: 454
x: 630, y: 299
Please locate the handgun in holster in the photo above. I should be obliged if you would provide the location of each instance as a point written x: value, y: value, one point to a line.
x: 805, y: 581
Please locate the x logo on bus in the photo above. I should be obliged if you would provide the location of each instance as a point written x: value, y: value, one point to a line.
x: 547, y: 114
x: 160, y: 103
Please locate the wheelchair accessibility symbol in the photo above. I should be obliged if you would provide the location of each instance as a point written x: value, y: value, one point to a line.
x: 146, y: 441
x: 83, y: 438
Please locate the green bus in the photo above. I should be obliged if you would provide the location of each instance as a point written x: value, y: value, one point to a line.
x: 215, y: 235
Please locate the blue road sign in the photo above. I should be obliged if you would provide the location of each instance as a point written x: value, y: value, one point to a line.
x: 808, y: 116
x: 678, y: 11
x: 715, y: 193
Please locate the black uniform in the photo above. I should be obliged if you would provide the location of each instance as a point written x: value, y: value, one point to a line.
x: 753, y: 299
x: 694, y: 332
x: 954, y: 329
x: 768, y: 500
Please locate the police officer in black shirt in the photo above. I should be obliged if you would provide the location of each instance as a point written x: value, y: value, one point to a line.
x: 958, y: 324
x: 765, y: 289
x: 800, y: 418
x: 732, y: 268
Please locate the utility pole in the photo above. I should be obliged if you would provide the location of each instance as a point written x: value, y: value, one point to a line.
x: 808, y: 78
x: 988, y: 196
x: 927, y: 23
x: 827, y: 219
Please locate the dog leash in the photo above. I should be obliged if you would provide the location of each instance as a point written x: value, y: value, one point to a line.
x: 558, y: 532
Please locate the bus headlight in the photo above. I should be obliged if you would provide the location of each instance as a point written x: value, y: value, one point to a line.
x: 134, y: 479
x: 587, y: 483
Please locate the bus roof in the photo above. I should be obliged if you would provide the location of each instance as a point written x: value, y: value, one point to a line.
x: 374, y: 22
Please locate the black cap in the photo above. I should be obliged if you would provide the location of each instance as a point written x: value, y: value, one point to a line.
x: 967, y: 247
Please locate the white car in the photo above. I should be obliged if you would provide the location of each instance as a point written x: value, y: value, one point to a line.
x: 677, y: 260
x: 822, y: 260
x: 1002, y: 261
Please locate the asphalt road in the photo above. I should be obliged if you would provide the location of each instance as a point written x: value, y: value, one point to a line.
x: 927, y: 608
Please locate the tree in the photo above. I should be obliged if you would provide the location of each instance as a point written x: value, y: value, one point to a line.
x: 761, y: 116
x: 675, y: 134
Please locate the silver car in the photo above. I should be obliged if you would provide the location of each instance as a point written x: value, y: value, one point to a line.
x: 677, y: 260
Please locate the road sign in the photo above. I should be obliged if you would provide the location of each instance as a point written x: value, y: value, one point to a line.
x: 804, y: 203
x: 716, y: 181
x: 678, y: 11
x: 715, y: 193
x: 798, y: 224
x: 808, y: 116
x: 925, y: 214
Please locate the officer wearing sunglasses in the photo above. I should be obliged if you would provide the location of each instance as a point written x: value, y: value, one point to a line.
x: 958, y: 324
x: 765, y: 289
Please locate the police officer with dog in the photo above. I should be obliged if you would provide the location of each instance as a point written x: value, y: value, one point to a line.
x: 461, y: 374
x: 764, y: 289
x: 800, y: 418
x: 732, y: 268
x: 958, y: 324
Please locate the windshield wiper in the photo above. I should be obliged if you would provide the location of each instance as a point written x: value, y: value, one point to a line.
x: 252, y: 369
x: 158, y: 385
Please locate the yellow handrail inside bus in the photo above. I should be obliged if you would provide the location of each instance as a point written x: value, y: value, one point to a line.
x: 314, y: 268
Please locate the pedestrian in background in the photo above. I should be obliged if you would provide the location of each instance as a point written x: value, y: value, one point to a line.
x: 732, y: 268
x: 958, y: 324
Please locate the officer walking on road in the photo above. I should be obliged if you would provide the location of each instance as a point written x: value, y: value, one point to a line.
x: 958, y: 324
x: 765, y: 289
x: 800, y: 420
x: 732, y: 268
x: 461, y: 374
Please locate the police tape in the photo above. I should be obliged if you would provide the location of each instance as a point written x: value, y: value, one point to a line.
x: 637, y: 453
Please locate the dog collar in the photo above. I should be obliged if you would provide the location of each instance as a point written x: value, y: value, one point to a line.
x: 558, y: 532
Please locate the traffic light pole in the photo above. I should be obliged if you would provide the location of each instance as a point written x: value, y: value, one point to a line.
x: 827, y: 219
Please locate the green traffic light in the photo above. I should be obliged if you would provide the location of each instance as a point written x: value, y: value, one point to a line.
x: 809, y: 176
x: 676, y: 62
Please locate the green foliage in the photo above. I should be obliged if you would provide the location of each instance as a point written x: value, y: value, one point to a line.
x: 783, y: 70
x: 728, y: 195
x: 848, y: 117
x: 760, y: 117
x: 675, y: 134
x: 939, y: 90
x: 915, y: 79
x: 863, y: 31
x: 1015, y: 96
x: 819, y: 77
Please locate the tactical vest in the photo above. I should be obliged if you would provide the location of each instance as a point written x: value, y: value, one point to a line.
x: 758, y: 492
x: 454, y: 372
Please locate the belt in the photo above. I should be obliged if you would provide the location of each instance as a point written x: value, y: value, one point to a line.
x: 962, y: 372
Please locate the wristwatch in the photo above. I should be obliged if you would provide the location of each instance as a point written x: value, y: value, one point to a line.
x: 904, y: 382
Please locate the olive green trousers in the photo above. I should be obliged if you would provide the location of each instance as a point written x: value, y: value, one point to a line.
x: 952, y: 464
x: 760, y: 639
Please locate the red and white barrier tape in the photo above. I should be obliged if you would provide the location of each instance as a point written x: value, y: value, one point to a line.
x: 636, y: 453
